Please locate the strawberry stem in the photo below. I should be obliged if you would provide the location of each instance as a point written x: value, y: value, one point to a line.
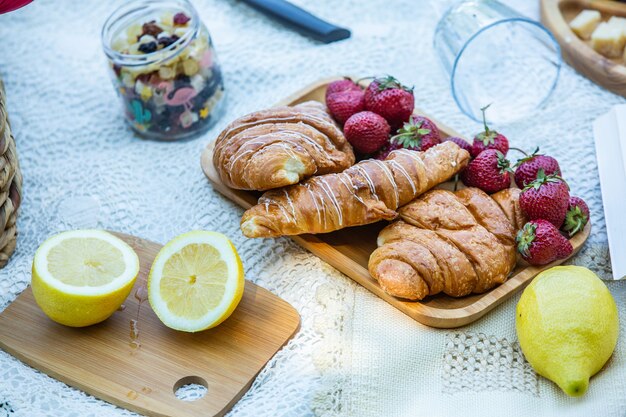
x: 518, y: 150
x: 483, y: 109
x: 362, y: 79
x: 527, y: 157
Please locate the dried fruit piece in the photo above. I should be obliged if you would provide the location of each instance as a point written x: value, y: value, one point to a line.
x: 181, y: 18
x: 151, y: 28
x: 148, y: 48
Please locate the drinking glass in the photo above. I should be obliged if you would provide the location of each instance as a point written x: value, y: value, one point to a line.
x: 495, y: 56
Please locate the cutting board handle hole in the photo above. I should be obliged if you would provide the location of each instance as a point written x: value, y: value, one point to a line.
x: 191, y: 388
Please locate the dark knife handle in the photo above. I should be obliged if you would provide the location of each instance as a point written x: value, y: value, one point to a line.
x: 300, y: 20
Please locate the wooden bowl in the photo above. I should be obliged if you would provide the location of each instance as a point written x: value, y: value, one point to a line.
x: 607, y: 72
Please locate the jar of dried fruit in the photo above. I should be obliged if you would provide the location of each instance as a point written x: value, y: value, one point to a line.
x: 164, y: 68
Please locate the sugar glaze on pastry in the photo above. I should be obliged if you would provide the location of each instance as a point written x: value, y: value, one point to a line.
x: 280, y: 146
x: 367, y: 192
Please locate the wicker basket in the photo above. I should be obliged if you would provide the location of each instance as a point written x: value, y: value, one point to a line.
x: 10, y: 184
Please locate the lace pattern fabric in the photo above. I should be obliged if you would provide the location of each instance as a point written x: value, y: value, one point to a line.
x: 82, y: 167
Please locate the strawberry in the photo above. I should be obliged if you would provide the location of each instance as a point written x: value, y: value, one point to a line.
x: 418, y: 134
x: 463, y: 144
x: 540, y: 243
x: 489, y: 139
x: 576, y: 217
x: 545, y: 198
x: 344, y: 104
x: 390, y: 99
x: 367, y: 132
x: 529, y: 166
x: 342, y: 85
x: 489, y: 171
x: 384, y: 152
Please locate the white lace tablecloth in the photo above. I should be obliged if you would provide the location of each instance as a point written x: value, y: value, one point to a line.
x: 354, y: 355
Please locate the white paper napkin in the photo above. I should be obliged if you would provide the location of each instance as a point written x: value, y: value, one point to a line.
x: 610, y: 138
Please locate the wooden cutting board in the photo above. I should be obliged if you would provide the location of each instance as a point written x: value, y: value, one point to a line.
x: 349, y: 249
x: 100, y: 360
x: 607, y: 72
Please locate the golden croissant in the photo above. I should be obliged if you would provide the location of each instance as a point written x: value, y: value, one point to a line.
x: 367, y: 192
x: 456, y: 243
x: 280, y: 146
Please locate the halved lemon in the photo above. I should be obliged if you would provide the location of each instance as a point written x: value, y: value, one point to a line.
x: 81, y: 277
x: 196, y: 281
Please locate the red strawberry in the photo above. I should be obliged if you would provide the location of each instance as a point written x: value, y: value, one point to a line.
x: 540, y: 243
x: 545, y: 198
x: 529, y: 166
x: 392, y: 100
x: 367, y: 132
x: 341, y: 85
x: 384, y: 152
x: 344, y: 104
x: 489, y: 139
x: 418, y: 134
x: 463, y: 144
x: 576, y: 217
x: 489, y: 171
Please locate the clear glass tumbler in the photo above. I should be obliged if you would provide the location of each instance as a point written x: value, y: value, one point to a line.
x: 496, y: 56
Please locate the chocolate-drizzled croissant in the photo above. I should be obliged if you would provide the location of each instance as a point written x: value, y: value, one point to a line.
x: 455, y: 243
x: 367, y: 192
x: 280, y: 146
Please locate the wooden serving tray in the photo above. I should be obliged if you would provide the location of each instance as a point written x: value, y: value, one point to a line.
x: 100, y: 360
x: 607, y: 72
x: 349, y: 249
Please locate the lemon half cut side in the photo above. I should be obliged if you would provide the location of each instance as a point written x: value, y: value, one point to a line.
x: 81, y: 277
x: 196, y: 281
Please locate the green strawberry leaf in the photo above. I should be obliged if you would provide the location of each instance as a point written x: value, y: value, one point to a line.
x: 410, y: 134
x: 390, y: 82
x: 527, y: 157
x: 575, y: 220
x: 503, y: 164
x: 542, y: 179
x: 525, y: 238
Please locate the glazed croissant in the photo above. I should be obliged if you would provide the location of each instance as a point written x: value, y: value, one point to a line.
x: 367, y: 192
x: 280, y: 146
x: 455, y: 243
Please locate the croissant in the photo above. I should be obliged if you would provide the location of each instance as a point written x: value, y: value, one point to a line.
x: 280, y: 146
x: 455, y: 243
x: 367, y: 192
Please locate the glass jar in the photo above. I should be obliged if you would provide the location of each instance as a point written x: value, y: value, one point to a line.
x: 164, y: 68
